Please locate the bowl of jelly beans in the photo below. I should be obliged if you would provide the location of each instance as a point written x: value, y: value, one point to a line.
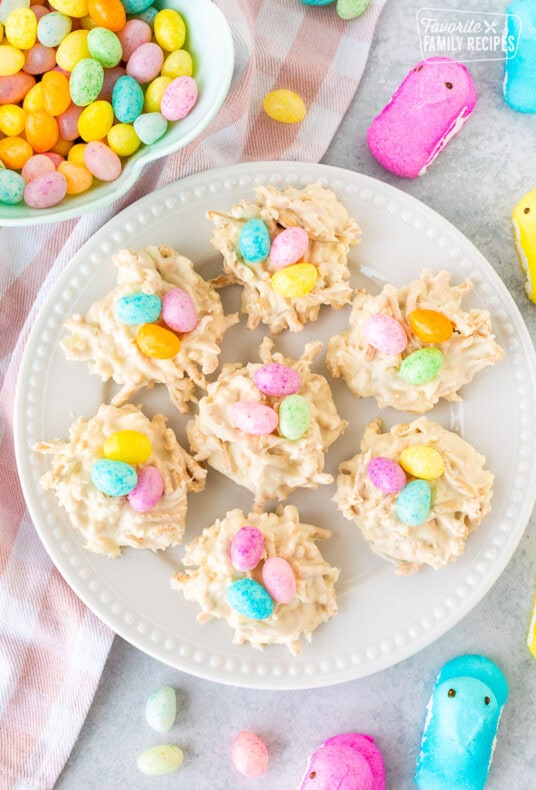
x: 91, y: 91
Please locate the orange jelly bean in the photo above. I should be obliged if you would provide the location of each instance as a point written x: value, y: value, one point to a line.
x: 41, y: 131
x: 157, y: 342
x: 430, y: 326
x: 55, y: 93
x: 15, y: 152
x: 108, y: 13
x: 78, y: 178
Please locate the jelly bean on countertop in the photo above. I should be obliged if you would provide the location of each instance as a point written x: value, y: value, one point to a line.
x: 161, y: 709
x: 249, y: 754
x: 285, y: 106
x: 160, y: 760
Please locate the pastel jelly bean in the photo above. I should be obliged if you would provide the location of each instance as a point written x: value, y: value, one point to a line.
x: 178, y: 64
x: 148, y: 16
x: 284, y: 106
x: 294, y: 417
x: 86, y: 81
x: 254, y: 241
x: 386, y: 474
x: 422, y: 461
x: 7, y: 6
x: 414, y: 502
x: 36, y: 166
x: 317, y: 2
x: 113, y: 478
x: 136, y: 6
x: 55, y: 93
x: 169, y: 29
x: 157, y: 342
x: 76, y: 154
x: 11, y: 60
x: 295, y: 281
x: 133, y: 35
x: 277, y: 380
x: 39, y: 11
x: 61, y: 147
x: 15, y: 152
x: 279, y: 579
x: 350, y: 9
x: 72, y: 49
x: 149, y: 489
x: 41, y: 131
x: 12, y: 187
x: 132, y: 447
x: 123, y: 140
x: 74, y: 8
x: 21, y: 28
x: 127, y: 99
x: 53, y: 28
x: 249, y: 754
x: 161, y: 709
x: 145, y: 62
x: 108, y: 13
x: 150, y: 127
x: 253, y: 417
x: 14, y: 89
x: 102, y: 162
x: 138, y: 308
x: 12, y: 120
x: 421, y: 366
x: 110, y: 78
x: 105, y: 47
x: 431, y: 326
x: 250, y: 599
x: 247, y: 548
x: 56, y: 159
x: 160, y: 760
x: 179, y: 311
x: 68, y: 122
x: 46, y: 190
x: 179, y: 98
x: 33, y: 101
x: 385, y: 334
x: 154, y: 92
x: 95, y: 121
x: 288, y: 247
x: 78, y: 178
x: 39, y: 59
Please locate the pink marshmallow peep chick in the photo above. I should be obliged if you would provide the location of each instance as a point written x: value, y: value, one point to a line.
x: 345, y: 762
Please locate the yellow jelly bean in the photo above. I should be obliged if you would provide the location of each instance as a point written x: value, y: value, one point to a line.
x: 1, y: 32
x: 157, y: 342
x: 21, y: 28
x: 431, y: 326
x: 78, y: 178
x: 55, y: 92
x: 285, y: 106
x: 76, y: 8
x: 41, y: 131
x: 12, y: 120
x: 15, y: 152
x: 72, y: 49
x: 95, y: 121
x: 295, y: 281
x: 178, y: 64
x: 76, y: 154
x: 122, y: 139
x: 33, y: 101
x: 169, y: 30
x: 155, y: 91
x: 11, y: 60
x: 422, y: 462
x: 131, y: 447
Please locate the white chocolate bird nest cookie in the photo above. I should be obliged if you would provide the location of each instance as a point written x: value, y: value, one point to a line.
x: 460, y: 496
x: 210, y: 572
x: 369, y: 372
x: 106, y: 522
x: 110, y: 345
x: 331, y: 233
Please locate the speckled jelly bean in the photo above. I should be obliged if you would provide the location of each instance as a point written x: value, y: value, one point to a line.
x: 149, y: 490
x: 160, y: 760
x: 288, y: 247
x: 74, y: 8
x: 113, y: 478
x: 11, y: 60
x: 154, y: 92
x: 179, y: 311
x: 169, y: 29
x: 138, y: 308
x: 294, y: 417
x: 317, y: 2
x: 14, y: 89
x: 413, y: 503
x: 12, y: 187
x: 55, y: 93
x: 254, y: 241
x: 386, y: 474
x: 431, y: 326
x: 422, y: 461
x: 279, y: 579
x: 145, y: 62
x: 107, y: 13
x: 86, y: 81
x: 421, y: 366
x: 21, y: 28
x: 105, y: 47
x: 249, y: 754
x: 101, y: 161
x: 95, y: 121
x: 136, y: 6
x: 12, y: 120
x: 250, y: 599
x: 148, y: 16
x: 161, y: 709
x: 72, y: 49
x: 150, y: 127
x: 247, y: 548
x: 46, y: 190
x: 123, y: 140
x: 385, y: 334
x: 133, y: 35
x: 127, y: 99
x: 15, y: 152
x: 68, y: 122
x: 295, y: 281
x: 350, y: 9
x: 285, y: 106
x: 78, y: 177
x: 41, y: 131
x: 253, y: 417
x: 36, y: 166
x: 7, y: 6
x: 39, y: 59
x: 132, y: 447
x: 179, y: 98
x: 157, y: 342
x: 53, y: 28
x: 178, y: 64
x: 277, y: 380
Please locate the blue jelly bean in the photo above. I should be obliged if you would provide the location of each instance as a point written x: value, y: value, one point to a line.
x: 127, y: 99
x: 12, y: 187
x: 148, y: 16
x: 138, y: 308
x: 150, y: 127
x: 250, y: 599
x: 113, y: 478
x: 135, y: 6
x: 317, y: 2
x: 413, y: 503
x: 52, y: 28
x: 254, y: 242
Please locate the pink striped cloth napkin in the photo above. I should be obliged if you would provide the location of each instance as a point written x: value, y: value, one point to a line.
x: 52, y: 649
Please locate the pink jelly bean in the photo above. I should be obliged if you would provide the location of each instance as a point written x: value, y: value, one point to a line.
x: 247, y: 548
x: 148, y: 491
x: 102, y: 162
x: 145, y: 63
x: 36, y: 166
x: 250, y: 755
x: 39, y: 11
x: 68, y: 122
x: 385, y: 334
x: 135, y: 33
x: 254, y: 418
x: 39, y: 59
x: 279, y: 579
x: 179, y: 311
x: 13, y: 89
x: 62, y: 71
x: 110, y: 78
x: 46, y: 190
x: 277, y: 380
x: 179, y: 98
x: 56, y: 159
x: 386, y: 475
x: 288, y: 247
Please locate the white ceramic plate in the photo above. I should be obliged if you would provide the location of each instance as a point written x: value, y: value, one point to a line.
x: 382, y: 618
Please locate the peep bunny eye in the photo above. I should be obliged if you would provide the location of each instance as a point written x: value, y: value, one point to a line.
x: 487, y: 700
x: 312, y: 775
x: 451, y: 693
x: 449, y: 85
x: 419, y: 68
x: 526, y: 210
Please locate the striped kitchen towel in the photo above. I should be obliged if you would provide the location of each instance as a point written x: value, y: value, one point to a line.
x: 52, y: 649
